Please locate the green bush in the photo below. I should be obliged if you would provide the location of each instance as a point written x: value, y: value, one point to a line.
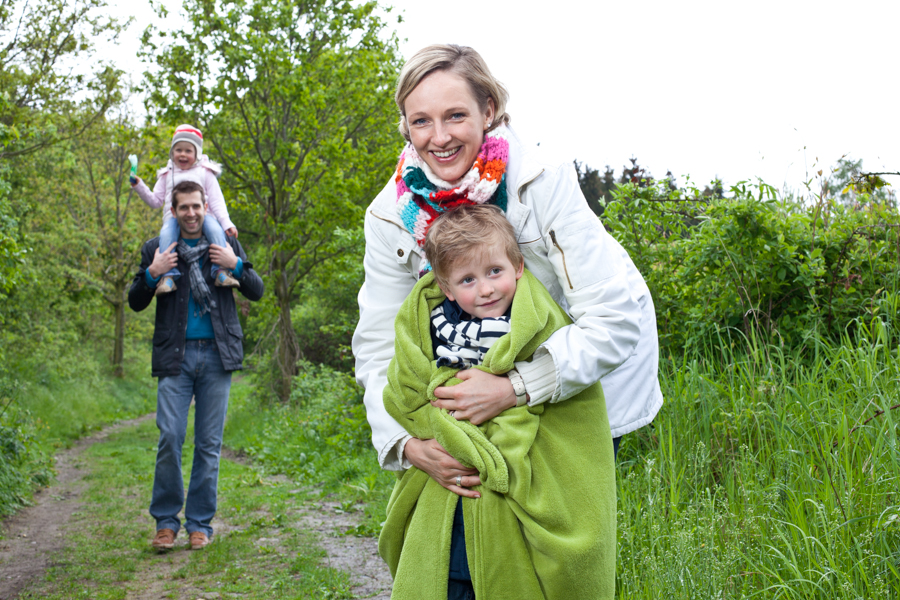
x: 24, y: 463
x: 320, y: 436
x: 756, y: 265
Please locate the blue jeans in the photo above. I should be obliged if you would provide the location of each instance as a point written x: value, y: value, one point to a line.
x: 170, y: 233
x: 204, y: 378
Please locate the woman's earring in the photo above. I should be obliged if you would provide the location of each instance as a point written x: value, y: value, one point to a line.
x: 488, y: 125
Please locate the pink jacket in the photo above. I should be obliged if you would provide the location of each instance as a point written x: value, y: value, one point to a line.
x: 203, y: 172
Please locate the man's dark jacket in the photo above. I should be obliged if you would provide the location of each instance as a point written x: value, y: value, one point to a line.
x: 172, y: 312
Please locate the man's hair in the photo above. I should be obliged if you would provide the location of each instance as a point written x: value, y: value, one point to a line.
x: 186, y: 187
x: 457, y: 235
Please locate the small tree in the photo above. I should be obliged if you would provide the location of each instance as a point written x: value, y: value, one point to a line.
x: 90, y: 219
x: 296, y: 99
x: 597, y: 189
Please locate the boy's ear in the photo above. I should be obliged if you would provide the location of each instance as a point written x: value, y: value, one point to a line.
x: 446, y: 292
x: 521, y: 269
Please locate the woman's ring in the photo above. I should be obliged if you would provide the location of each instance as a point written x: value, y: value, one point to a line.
x: 452, y: 413
x: 459, y: 481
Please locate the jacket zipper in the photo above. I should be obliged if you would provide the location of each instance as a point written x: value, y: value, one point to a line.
x: 558, y: 247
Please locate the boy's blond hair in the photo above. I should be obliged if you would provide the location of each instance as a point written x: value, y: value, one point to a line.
x: 458, y: 234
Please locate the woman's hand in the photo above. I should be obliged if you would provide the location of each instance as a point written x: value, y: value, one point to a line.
x: 430, y: 456
x: 479, y: 398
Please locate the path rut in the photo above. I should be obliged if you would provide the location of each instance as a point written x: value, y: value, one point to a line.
x: 34, y: 537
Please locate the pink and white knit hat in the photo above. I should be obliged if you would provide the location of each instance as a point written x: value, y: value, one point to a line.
x: 190, y: 134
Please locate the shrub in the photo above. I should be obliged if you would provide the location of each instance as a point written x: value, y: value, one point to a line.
x: 753, y: 265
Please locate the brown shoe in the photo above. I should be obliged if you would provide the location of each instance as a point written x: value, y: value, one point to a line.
x: 165, y: 286
x: 199, y: 541
x: 164, y: 540
x: 225, y: 279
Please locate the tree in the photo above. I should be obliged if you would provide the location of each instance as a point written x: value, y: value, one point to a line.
x: 295, y: 98
x: 636, y: 174
x: 597, y: 189
x: 109, y: 222
x: 42, y: 96
x: 41, y: 88
x: 853, y: 186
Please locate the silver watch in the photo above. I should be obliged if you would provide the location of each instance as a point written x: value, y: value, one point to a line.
x: 518, y: 387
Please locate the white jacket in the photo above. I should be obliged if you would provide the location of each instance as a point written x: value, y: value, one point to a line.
x: 613, y: 338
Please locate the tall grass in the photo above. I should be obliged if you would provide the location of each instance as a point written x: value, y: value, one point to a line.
x: 767, y: 475
x: 43, y: 407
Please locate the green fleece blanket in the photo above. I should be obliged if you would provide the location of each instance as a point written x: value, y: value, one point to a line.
x: 545, y: 525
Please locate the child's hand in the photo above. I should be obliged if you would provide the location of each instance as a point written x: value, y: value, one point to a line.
x: 134, y: 180
x: 232, y: 231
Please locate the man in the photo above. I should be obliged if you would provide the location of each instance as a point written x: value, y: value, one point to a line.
x: 196, y: 346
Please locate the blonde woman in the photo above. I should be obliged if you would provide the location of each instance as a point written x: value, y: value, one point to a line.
x: 461, y: 150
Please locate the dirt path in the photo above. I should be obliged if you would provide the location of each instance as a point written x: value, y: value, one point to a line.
x: 33, y: 538
x: 34, y: 535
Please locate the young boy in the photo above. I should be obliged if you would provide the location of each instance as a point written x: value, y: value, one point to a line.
x: 543, y: 523
x: 477, y: 264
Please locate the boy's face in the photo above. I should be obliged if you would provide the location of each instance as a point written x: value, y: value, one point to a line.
x: 184, y: 155
x: 484, y: 283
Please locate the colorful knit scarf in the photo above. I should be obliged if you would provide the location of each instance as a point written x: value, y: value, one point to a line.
x: 422, y: 197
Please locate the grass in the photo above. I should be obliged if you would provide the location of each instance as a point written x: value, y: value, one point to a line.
x: 259, y: 550
x: 320, y: 439
x: 767, y: 474
x: 41, y: 412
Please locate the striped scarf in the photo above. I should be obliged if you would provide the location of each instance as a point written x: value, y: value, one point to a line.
x: 463, y: 344
x: 199, y: 290
x: 422, y: 197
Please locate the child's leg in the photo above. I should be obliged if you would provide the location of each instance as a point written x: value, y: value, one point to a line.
x: 167, y: 236
x: 214, y: 235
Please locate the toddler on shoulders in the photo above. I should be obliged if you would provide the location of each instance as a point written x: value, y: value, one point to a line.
x: 188, y: 163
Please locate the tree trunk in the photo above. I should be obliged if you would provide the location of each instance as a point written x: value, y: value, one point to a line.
x: 288, y: 351
x: 119, y: 347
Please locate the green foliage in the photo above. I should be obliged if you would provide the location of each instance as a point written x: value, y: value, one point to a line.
x: 767, y: 474
x: 325, y: 416
x: 320, y: 438
x: 753, y: 264
x: 307, y: 87
x: 24, y: 464
x: 12, y: 252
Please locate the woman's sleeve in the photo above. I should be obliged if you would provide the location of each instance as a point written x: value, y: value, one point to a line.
x: 592, y: 271
x: 386, y: 286
x: 216, y: 201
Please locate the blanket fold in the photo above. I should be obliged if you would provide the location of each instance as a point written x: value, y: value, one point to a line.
x: 544, y: 527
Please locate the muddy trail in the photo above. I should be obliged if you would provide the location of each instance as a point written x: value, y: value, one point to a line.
x: 34, y: 540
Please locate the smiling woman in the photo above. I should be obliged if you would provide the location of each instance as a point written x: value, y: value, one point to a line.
x: 536, y: 400
x: 446, y: 125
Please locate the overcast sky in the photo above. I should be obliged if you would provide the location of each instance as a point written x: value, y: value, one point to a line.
x: 735, y: 90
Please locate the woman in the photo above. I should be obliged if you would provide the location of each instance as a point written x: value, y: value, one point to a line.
x: 448, y: 102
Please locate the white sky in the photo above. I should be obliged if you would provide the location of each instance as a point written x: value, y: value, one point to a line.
x: 738, y: 90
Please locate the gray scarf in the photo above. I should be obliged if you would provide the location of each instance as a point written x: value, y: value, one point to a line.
x: 199, y: 289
